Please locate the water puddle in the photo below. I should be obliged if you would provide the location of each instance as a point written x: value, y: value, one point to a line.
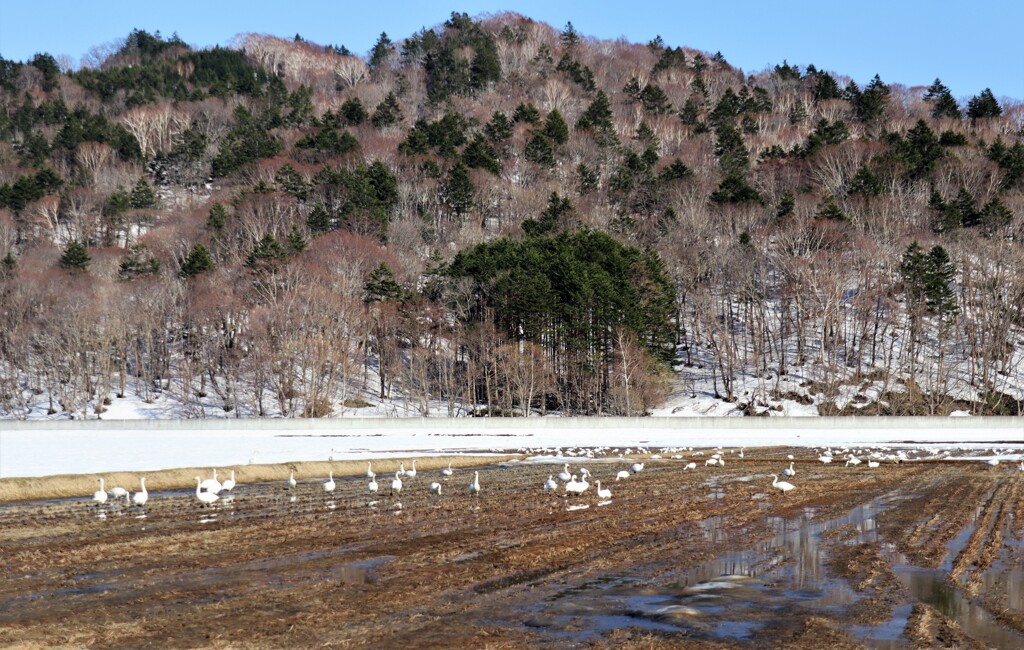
x: 735, y: 595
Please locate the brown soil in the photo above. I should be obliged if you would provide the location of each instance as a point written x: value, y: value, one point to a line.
x: 498, y: 571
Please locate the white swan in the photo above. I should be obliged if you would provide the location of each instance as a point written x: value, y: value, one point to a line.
x: 474, y: 487
x: 372, y: 487
x: 636, y: 467
x: 852, y: 460
x: 564, y: 475
x: 396, y: 484
x: 447, y: 471
x: 435, y: 488
x: 369, y: 471
x: 789, y: 471
x: 205, y: 498
x: 872, y: 464
x: 992, y: 462
x: 584, y: 472
x: 140, y: 498
x: 622, y: 474
x: 782, y: 486
x: 550, y: 485
x: 329, y: 484
x: 603, y: 493
x: 582, y: 485
x: 211, y: 484
x: 411, y: 473
x: 825, y: 460
x: 291, y: 480
x: 570, y: 485
x: 118, y: 492
x: 711, y: 461
x: 690, y: 465
x: 230, y: 483
x: 100, y: 495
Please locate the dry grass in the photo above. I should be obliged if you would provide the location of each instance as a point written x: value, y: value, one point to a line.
x: 82, y: 485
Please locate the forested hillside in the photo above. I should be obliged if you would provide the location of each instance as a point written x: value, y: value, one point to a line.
x: 499, y: 216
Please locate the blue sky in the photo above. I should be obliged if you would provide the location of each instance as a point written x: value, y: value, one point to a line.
x: 970, y: 45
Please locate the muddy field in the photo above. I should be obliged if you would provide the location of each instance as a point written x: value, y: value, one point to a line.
x: 913, y: 555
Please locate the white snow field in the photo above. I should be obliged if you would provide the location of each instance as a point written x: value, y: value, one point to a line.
x: 43, y: 448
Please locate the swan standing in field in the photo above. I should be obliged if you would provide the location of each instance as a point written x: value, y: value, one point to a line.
x: 582, y: 485
x: 992, y: 462
x: 564, y: 475
x: 474, y: 487
x: 1021, y: 468
x: 690, y: 465
x: 205, y: 498
x: 584, y: 473
x: 622, y: 474
x: 372, y: 487
x: 411, y: 473
x: 636, y: 467
x: 369, y: 472
x: 781, y: 486
x: 329, y: 484
x: 789, y: 471
x: 291, y: 480
x: 230, y: 483
x: 435, y: 488
x: 872, y: 464
x: 570, y: 485
x: 447, y: 472
x: 711, y: 461
x: 211, y: 484
x: 825, y: 459
x: 141, y: 497
x: 118, y: 492
x: 550, y: 485
x: 396, y: 483
x: 603, y: 493
x: 99, y: 497
x: 852, y: 460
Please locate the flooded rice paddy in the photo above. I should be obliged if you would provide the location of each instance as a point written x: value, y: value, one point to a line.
x: 909, y: 555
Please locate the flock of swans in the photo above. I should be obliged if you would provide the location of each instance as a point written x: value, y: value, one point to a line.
x: 209, y: 491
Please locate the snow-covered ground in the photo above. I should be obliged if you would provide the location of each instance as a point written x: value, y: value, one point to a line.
x: 47, y: 448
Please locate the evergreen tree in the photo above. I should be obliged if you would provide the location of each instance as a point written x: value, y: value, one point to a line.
x: 75, y: 257
x: 587, y: 179
x: 598, y: 118
x: 296, y: 240
x: 8, y: 265
x: 983, y: 106
x: 381, y: 51
x: 486, y: 67
x: 733, y: 158
x: 995, y: 216
x: 291, y: 182
x: 870, y: 104
x: 381, y: 286
x: 941, y: 99
x: 353, y: 112
x: 117, y: 203
x: 825, y: 87
x: 387, y: 113
x: 481, y: 153
x: 217, y: 218
x: 318, y: 220
x: 142, y: 195
x: 939, y: 295
x: 555, y: 127
x: 268, y: 251
x: 457, y: 190
x: 499, y: 128
x: 527, y: 113
x: 570, y: 37
x: 197, y: 261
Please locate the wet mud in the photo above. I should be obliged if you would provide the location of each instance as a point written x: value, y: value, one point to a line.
x: 911, y: 555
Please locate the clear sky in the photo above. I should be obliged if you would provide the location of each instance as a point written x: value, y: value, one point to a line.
x: 971, y: 45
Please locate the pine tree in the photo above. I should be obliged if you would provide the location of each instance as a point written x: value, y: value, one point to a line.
x: 499, y: 128
x: 941, y: 99
x: 983, y: 106
x: 387, y: 113
x: 318, y: 220
x: 8, y: 265
x: 526, y: 112
x: 939, y: 277
x: 142, y: 195
x: 353, y: 112
x: 268, y: 251
x: 995, y: 216
x: 570, y: 37
x: 457, y: 190
x: 381, y: 51
x: 75, y: 257
x: 555, y: 127
x: 197, y: 261
x: 381, y: 286
x: 296, y: 240
x: 217, y: 218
